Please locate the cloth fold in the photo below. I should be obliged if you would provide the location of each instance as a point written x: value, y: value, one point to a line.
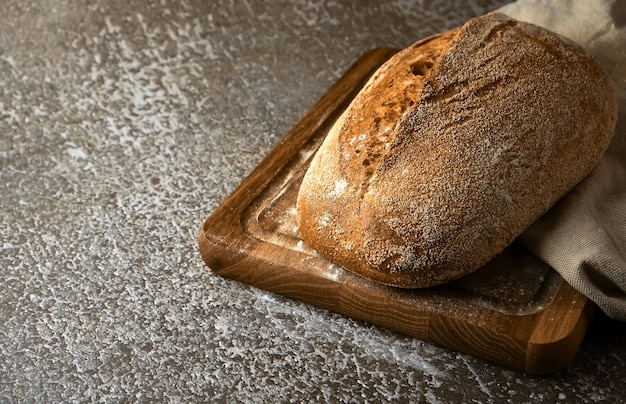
x: 583, y: 237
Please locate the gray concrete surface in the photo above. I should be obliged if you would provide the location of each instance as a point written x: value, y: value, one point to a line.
x: 123, y: 124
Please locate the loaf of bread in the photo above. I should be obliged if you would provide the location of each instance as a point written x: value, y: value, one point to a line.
x: 452, y: 149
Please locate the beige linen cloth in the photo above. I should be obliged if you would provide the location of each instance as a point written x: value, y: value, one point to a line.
x: 584, y: 236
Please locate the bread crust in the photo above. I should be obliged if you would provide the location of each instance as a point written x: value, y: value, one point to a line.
x: 453, y: 148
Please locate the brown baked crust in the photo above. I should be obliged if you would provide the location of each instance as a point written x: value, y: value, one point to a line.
x: 453, y: 148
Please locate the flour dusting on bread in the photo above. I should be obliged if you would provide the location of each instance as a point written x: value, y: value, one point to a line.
x: 452, y: 148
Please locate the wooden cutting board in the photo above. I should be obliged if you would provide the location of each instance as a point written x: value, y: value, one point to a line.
x: 515, y: 311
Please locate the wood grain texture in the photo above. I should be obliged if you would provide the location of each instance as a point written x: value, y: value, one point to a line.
x: 515, y: 311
